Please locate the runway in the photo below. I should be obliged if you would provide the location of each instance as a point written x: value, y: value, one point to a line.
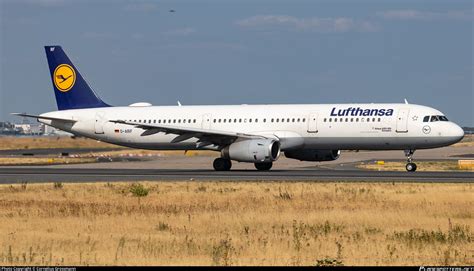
x: 10, y: 175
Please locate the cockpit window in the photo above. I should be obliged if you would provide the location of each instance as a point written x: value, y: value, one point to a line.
x: 434, y: 118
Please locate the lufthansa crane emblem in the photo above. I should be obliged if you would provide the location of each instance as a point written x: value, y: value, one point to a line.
x: 426, y: 129
x: 64, y: 77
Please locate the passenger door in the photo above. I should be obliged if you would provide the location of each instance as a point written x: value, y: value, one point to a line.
x: 206, y: 121
x: 99, y: 122
x: 313, y: 123
x: 402, y: 120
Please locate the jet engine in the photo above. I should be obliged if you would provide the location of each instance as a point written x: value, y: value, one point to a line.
x: 253, y: 150
x: 313, y: 155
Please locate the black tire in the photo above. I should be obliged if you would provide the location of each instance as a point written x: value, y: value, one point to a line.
x: 411, y: 167
x: 221, y: 164
x: 263, y: 166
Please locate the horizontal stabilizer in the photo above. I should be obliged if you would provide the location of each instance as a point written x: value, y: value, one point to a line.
x: 43, y: 117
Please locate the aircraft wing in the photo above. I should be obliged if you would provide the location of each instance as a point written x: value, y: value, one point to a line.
x: 43, y: 117
x: 206, y: 137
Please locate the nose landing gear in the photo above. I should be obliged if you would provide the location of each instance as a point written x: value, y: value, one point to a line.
x: 410, y: 167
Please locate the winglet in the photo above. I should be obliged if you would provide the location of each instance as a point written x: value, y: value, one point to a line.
x: 406, y: 102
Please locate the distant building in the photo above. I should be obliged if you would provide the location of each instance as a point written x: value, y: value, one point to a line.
x: 51, y: 131
x: 7, y: 128
x: 468, y: 130
x: 30, y: 129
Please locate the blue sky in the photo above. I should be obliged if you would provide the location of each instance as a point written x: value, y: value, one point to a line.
x: 234, y: 52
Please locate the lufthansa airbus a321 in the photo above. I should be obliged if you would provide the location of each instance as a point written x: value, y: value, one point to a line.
x: 244, y: 133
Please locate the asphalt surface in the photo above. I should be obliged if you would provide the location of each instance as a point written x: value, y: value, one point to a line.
x: 38, y: 174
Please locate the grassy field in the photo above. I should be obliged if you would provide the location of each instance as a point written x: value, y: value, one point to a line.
x: 29, y: 161
x: 237, y: 223
x: 467, y: 141
x: 422, y: 166
x: 49, y: 142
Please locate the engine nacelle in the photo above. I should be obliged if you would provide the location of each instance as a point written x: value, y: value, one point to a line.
x: 313, y: 155
x: 253, y: 150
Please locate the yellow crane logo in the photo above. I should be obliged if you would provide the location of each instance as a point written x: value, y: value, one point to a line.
x: 64, y: 77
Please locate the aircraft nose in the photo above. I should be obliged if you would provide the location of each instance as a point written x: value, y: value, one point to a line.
x: 457, y: 132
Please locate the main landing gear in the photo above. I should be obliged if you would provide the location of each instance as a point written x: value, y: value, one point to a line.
x: 410, y: 165
x: 222, y: 164
x: 264, y: 166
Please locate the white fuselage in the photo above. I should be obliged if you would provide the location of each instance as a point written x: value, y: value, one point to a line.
x: 312, y: 126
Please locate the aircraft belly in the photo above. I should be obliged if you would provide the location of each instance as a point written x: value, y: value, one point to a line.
x: 375, y: 143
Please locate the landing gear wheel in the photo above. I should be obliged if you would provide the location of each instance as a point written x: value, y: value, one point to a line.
x: 263, y: 166
x: 221, y: 164
x: 411, y: 167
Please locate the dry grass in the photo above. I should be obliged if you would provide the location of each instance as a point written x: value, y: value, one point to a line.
x: 139, y: 152
x: 467, y: 141
x: 43, y: 161
x: 421, y: 166
x: 237, y: 223
x: 19, y: 143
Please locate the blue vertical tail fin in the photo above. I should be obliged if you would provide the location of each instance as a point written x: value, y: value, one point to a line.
x: 70, y: 89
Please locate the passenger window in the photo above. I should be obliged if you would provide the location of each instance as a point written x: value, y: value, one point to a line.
x: 250, y: 120
x: 235, y: 120
x: 194, y: 121
x: 282, y: 120
x: 335, y: 119
x: 330, y: 119
x: 293, y: 120
x: 303, y: 120
x: 278, y: 120
x: 379, y: 119
x: 368, y: 119
x: 352, y: 119
x: 347, y: 120
x: 324, y: 119
x: 184, y: 121
x: 272, y: 120
x: 224, y: 120
x: 256, y: 120
x: 240, y: 120
x: 264, y: 120
x: 357, y: 119
x: 298, y: 120
x: 373, y: 119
